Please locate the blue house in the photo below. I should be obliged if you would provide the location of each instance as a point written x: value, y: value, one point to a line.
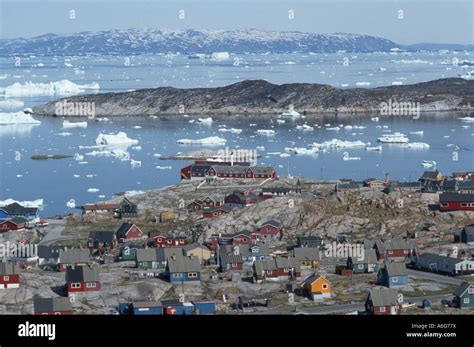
x: 467, y: 234
x: 139, y: 308
x: 393, y: 274
x: 182, y: 269
x: 16, y: 210
x: 464, y: 295
x: 204, y: 306
x: 175, y: 307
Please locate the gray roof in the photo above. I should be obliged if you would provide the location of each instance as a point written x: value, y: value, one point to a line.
x: 382, y: 296
x: 399, y: 243
x: 448, y: 197
x: 427, y: 258
x: 184, y: 264
x: 59, y: 304
x: 82, y: 274
x: 74, y: 255
x: 306, y: 253
x: 230, y: 258
x: 140, y: 304
x: 9, y: 268
x: 106, y: 237
x: 272, y: 222
x: 49, y: 251
x: 396, y: 269
x: 147, y: 254
x: 162, y: 254
x: 459, y: 291
x: 369, y: 257
x: 276, y: 190
x: 260, y: 170
x: 276, y: 263
x: 469, y: 229
x: 227, y: 169
x: 263, y: 250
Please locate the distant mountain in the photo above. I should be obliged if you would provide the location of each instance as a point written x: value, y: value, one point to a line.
x: 138, y: 41
x: 253, y: 97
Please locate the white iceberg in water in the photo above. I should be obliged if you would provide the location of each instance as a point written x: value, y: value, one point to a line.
x: 335, y: 143
x: 114, y: 153
x: 266, y: 132
x: 135, y: 163
x: 38, y: 203
x: 467, y: 119
x: 17, y: 118
x: 11, y: 104
x: 71, y: 203
x: 120, y: 138
x: 428, y: 164
x: 67, y: 124
x: 220, y: 56
x: 417, y: 133
x: 231, y: 130
x: 93, y: 190
x: 64, y: 87
x: 302, y: 150
x: 207, y: 121
x: 304, y: 127
x: 212, y: 140
x: 292, y: 114
x: 417, y: 145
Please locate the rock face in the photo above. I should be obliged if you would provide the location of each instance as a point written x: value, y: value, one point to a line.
x: 262, y: 97
x: 139, y: 41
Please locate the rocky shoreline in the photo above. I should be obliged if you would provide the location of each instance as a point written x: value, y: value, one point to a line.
x: 259, y: 97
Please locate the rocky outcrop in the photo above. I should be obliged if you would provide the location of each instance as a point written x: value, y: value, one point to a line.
x: 261, y: 97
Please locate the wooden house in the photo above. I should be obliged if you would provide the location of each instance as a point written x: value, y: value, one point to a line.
x: 308, y: 257
x: 309, y: 241
x: 230, y: 261
x: 99, y: 208
x: 52, y: 306
x: 213, y: 212
x: 467, y: 234
x: 241, y: 199
x: 13, y: 224
x: 393, y: 274
x: 73, y: 257
x: 456, y: 202
x: 276, y: 269
x: 48, y: 255
x: 464, y: 295
x: 273, y: 192
x: 383, y: 301
x: 444, y: 264
x: 101, y: 240
x: 15, y: 210
x: 203, y: 253
x: 317, y: 287
x: 9, y: 275
x: 268, y: 231
x: 82, y: 279
x: 126, y: 209
x: 367, y: 264
x: 128, y: 232
x: 183, y: 269
x: 374, y: 183
x: 430, y: 177
x: 397, y: 249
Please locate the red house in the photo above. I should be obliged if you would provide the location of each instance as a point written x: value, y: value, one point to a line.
x: 241, y: 198
x: 242, y: 238
x: 52, y: 306
x: 82, y: 279
x: 14, y: 224
x: 212, y: 212
x: 162, y: 241
x: 73, y: 257
x: 395, y: 249
x: 9, y: 276
x: 129, y: 232
x: 456, y: 202
x: 276, y: 269
x: 382, y: 301
x: 267, y: 231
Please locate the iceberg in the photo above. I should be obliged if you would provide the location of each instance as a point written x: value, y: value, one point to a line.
x: 135, y: 163
x: 17, y: 118
x: 466, y: 119
x: 115, y: 153
x: 304, y: 127
x: 292, y: 114
x: 67, y: 124
x: 231, y: 130
x: 64, y: 87
x: 71, y: 203
x: 266, y: 132
x: 93, y: 190
x: 163, y: 167
x: 220, y: 56
x: 212, y: 140
x: 417, y: 145
x: 302, y: 150
x: 417, y: 133
x: 114, y: 139
x: 335, y: 143
x: 11, y: 104
x: 207, y: 121
x: 428, y: 164
x: 38, y: 203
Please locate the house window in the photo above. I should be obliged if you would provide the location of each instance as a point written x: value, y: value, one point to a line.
x: 394, y: 279
x: 466, y: 300
x: 471, y: 290
x: 75, y: 285
x: 463, y: 204
x: 382, y: 309
x: 360, y: 266
x: 192, y: 274
x: 444, y: 204
x: 325, y: 286
x: 91, y: 285
x: 6, y: 278
x: 57, y: 313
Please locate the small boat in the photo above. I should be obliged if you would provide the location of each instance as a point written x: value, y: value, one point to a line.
x: 393, y: 138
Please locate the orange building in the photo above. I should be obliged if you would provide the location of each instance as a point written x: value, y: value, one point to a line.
x: 317, y: 287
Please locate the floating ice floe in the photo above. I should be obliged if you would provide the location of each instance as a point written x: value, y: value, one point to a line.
x: 304, y: 127
x: 114, y: 139
x: 11, y: 104
x: 207, y: 121
x: 157, y: 155
x: 284, y: 155
x: 164, y: 167
x: 281, y: 121
x: 291, y: 114
x: 231, y: 130
x: 220, y: 56
x: 417, y: 133
x: 335, y: 143
x: 64, y: 87
x: 93, y: 190
x: 266, y: 132
x: 302, y: 150
x: 68, y: 124
x: 428, y: 163
x: 396, y: 137
x: 466, y: 119
x: 362, y: 84
x: 212, y: 140
x: 64, y: 133
x: 397, y: 83
x: 417, y: 145
x: 135, y: 163
x: 333, y: 128
x: 78, y: 157
x: 260, y: 148
x: 374, y: 119
x: 38, y: 203
x: 115, y: 153
x: 71, y: 203
x: 374, y: 149
x: 137, y: 127
x: 17, y: 118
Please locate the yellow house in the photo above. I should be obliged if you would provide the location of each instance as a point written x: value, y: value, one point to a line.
x: 199, y: 251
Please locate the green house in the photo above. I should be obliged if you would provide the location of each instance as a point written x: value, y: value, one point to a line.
x: 464, y: 295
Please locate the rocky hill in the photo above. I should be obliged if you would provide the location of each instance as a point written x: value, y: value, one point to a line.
x: 262, y: 97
